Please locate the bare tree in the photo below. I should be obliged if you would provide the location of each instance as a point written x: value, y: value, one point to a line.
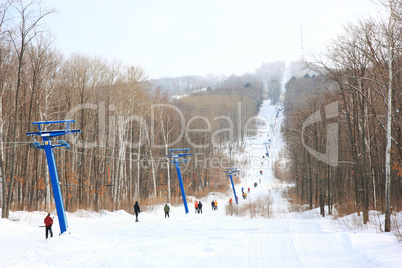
x: 29, y: 25
x: 4, y: 51
x: 393, y: 42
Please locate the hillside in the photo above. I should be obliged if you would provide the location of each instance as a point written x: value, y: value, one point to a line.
x: 281, y: 238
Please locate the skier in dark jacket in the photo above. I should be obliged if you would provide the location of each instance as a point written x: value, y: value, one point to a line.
x: 199, y: 207
x: 213, y: 205
x: 136, y: 210
x: 48, y: 223
x: 166, y: 209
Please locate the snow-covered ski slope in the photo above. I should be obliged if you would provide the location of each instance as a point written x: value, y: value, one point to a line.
x: 211, y: 239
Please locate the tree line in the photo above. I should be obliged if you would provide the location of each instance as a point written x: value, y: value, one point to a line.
x: 269, y: 76
x: 361, y: 83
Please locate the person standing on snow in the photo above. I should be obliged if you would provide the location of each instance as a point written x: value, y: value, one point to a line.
x: 166, y: 209
x: 196, y: 206
x: 230, y: 202
x: 136, y: 210
x: 213, y: 205
x: 48, y: 224
x: 216, y: 204
x: 199, y: 207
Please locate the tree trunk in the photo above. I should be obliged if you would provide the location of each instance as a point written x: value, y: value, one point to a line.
x: 388, y: 148
x: 3, y: 176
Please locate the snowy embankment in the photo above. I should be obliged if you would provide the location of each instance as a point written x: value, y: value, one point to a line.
x: 211, y: 239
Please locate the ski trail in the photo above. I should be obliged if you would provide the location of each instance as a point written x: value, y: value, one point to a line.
x: 280, y: 242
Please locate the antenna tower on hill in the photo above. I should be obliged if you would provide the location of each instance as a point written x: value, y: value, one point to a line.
x: 301, y: 42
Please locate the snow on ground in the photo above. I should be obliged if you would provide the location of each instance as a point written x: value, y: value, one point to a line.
x: 211, y: 239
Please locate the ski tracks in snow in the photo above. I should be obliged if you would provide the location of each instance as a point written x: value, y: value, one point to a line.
x: 300, y: 243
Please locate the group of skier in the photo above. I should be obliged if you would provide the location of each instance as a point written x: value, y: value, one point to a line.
x: 198, y: 207
x: 214, y: 205
x: 243, y: 193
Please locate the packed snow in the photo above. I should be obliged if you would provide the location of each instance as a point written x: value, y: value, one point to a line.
x: 210, y: 239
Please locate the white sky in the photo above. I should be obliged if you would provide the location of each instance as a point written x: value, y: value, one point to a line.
x: 199, y: 37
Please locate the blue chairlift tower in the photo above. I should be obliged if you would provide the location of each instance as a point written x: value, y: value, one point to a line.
x: 48, y: 147
x: 267, y: 145
x: 233, y: 172
x: 176, y: 154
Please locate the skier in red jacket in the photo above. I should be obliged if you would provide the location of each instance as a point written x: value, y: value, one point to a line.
x: 48, y: 223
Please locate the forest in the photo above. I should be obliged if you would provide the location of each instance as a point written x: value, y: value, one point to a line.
x: 127, y: 122
x: 343, y: 127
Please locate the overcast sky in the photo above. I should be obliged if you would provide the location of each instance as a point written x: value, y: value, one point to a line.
x: 199, y: 37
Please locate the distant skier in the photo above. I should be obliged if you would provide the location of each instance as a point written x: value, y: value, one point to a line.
x: 261, y: 172
x: 242, y: 189
x: 248, y: 190
x: 230, y: 202
x: 48, y: 223
x: 199, y: 207
x: 216, y: 204
x: 166, y: 209
x: 213, y: 205
x: 136, y: 210
x: 255, y: 185
x: 196, y: 206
